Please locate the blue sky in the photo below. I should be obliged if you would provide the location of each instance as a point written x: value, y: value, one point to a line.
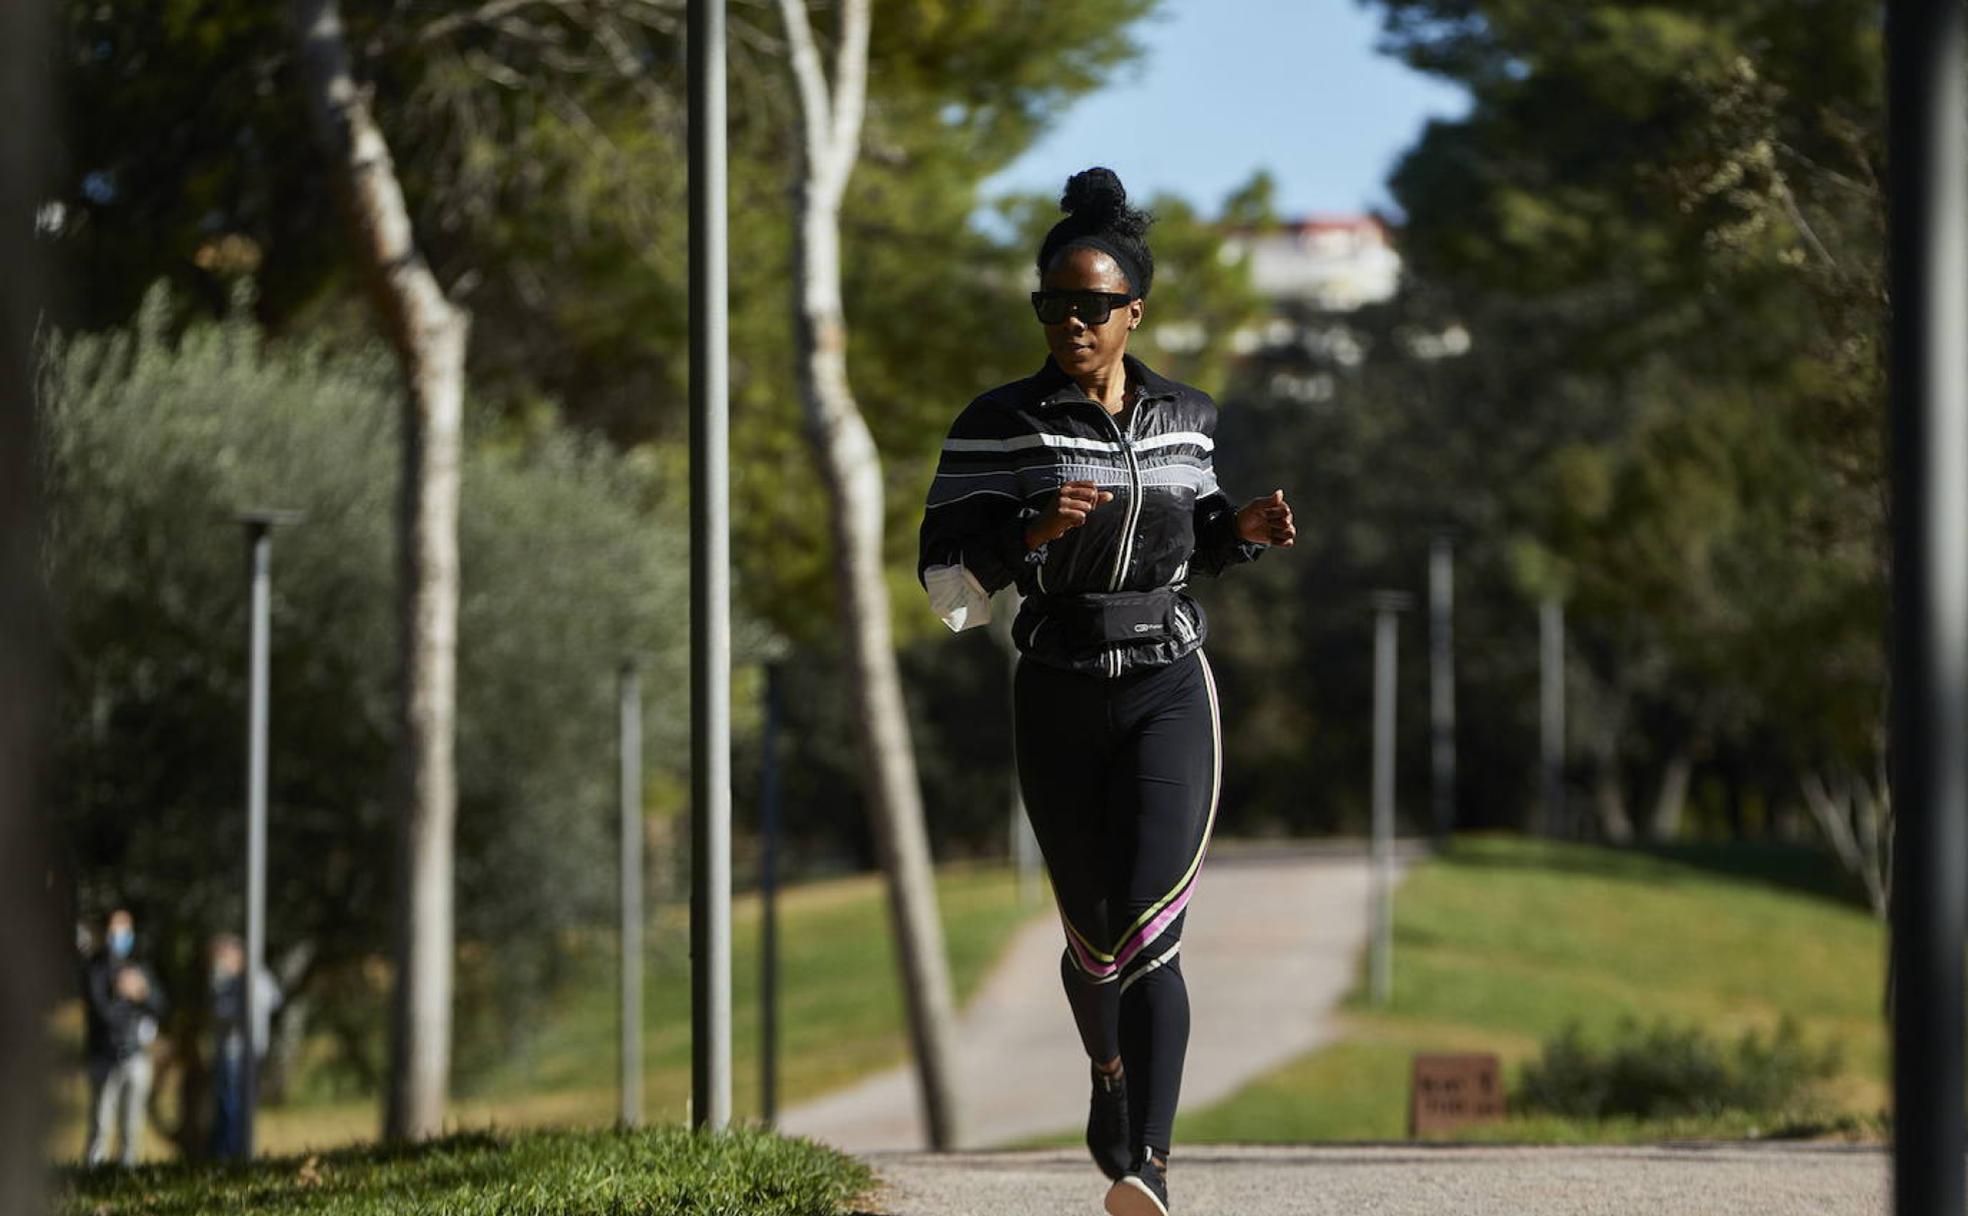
x: 1231, y: 86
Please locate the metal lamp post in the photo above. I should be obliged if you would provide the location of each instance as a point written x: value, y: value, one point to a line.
x: 710, y: 577
x: 769, y: 808
x: 1551, y: 712
x: 1387, y: 606
x: 1928, y: 194
x: 259, y: 555
x: 629, y: 788
x: 1021, y: 844
x: 1441, y: 680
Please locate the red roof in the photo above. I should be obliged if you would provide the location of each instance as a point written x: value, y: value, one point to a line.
x: 1307, y: 225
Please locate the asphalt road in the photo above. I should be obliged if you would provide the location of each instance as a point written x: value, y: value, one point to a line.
x: 1412, y: 1180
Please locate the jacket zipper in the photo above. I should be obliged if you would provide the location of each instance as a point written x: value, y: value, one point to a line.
x: 1124, y: 550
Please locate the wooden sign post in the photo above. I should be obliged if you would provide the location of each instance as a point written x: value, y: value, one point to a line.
x: 1451, y: 1090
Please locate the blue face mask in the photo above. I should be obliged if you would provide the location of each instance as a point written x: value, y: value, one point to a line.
x: 120, y: 941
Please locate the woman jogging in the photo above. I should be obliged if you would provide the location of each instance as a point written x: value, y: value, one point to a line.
x: 1090, y: 486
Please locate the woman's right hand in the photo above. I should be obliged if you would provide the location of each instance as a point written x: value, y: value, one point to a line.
x: 1067, y: 509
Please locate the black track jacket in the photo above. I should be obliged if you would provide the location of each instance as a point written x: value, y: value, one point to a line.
x: 1013, y: 447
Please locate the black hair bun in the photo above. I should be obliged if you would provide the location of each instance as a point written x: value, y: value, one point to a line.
x: 1097, y: 199
x: 1095, y: 195
x: 1096, y: 204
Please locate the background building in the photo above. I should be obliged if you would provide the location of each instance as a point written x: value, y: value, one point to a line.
x: 1333, y: 263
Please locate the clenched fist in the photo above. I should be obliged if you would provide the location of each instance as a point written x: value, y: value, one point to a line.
x: 1267, y: 521
x: 131, y: 986
x: 1068, y: 509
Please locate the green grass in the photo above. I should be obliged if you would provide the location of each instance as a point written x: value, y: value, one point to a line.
x: 654, y: 1171
x: 1502, y: 941
x: 841, y: 1017
x: 840, y: 1013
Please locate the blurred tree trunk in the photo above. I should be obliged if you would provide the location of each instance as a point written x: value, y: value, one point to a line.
x: 1733, y: 795
x: 1609, y: 803
x: 182, y: 1077
x: 428, y: 333
x: 1608, y: 780
x: 289, y: 1028
x: 829, y: 139
x: 1856, y: 818
x: 28, y: 891
x: 1664, y: 825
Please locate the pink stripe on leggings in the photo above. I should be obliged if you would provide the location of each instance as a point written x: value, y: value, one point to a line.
x: 1153, y: 929
x: 1136, y: 944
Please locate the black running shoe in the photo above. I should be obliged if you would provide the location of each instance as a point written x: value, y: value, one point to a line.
x: 1107, y: 1123
x: 1142, y: 1191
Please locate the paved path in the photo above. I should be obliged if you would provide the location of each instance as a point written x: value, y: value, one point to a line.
x: 1413, y: 1180
x: 1272, y: 943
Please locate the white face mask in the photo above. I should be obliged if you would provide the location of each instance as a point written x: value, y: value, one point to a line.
x: 120, y: 941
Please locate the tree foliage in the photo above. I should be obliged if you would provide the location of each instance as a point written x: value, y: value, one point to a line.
x: 1666, y: 218
x: 573, y: 560
x: 1657, y: 231
x: 542, y: 149
x: 1658, y: 223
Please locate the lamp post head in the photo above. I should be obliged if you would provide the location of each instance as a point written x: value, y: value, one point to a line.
x: 262, y: 518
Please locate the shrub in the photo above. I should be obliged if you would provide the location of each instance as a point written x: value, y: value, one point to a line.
x: 1665, y: 1071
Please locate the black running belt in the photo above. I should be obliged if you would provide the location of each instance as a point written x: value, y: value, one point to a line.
x: 1111, y: 616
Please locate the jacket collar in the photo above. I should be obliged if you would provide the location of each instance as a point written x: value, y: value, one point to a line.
x: 1055, y: 387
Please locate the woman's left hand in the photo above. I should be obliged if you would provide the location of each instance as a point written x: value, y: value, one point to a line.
x: 1267, y: 521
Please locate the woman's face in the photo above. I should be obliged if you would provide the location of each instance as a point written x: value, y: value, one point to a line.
x: 1079, y: 348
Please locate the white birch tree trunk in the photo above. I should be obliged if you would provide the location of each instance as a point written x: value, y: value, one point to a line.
x: 850, y: 466
x: 429, y: 334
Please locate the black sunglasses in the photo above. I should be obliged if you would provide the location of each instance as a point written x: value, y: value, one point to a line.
x: 1093, y: 307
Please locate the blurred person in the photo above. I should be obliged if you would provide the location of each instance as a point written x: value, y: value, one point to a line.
x: 228, y: 957
x: 124, y: 1006
x: 1090, y: 486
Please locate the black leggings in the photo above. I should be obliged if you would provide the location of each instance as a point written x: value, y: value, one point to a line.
x: 1120, y: 778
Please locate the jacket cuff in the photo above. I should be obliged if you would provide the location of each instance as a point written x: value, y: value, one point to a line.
x: 1223, y: 545
x: 998, y: 556
x: 1022, y: 557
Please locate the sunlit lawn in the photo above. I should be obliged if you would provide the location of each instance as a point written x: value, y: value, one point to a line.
x: 663, y: 1171
x: 841, y: 1017
x: 840, y: 1013
x: 1502, y: 941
